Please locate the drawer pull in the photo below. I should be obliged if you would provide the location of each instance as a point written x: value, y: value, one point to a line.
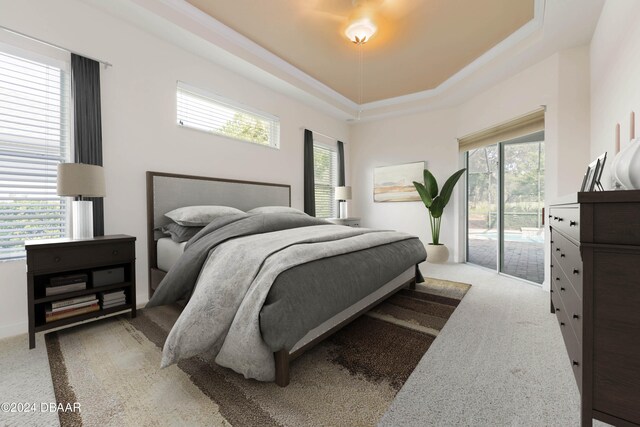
x: 550, y: 216
x: 561, y: 255
x: 557, y: 278
x: 572, y: 223
x: 551, y: 290
x: 557, y: 249
x: 561, y: 323
x: 557, y: 309
x: 552, y: 242
x: 56, y: 259
x: 575, y: 316
x: 560, y: 219
x: 576, y: 271
x: 562, y: 289
x: 575, y: 363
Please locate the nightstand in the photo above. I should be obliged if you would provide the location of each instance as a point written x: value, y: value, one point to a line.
x: 350, y: 222
x: 57, y: 269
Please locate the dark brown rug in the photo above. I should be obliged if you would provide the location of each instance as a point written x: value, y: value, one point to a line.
x: 112, y: 369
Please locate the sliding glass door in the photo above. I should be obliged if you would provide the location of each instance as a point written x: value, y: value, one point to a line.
x: 482, y: 206
x: 505, y: 198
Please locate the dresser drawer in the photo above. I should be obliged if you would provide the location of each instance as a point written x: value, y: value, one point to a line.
x: 566, y: 255
x: 572, y: 304
x: 79, y: 256
x: 574, y: 348
x: 566, y: 219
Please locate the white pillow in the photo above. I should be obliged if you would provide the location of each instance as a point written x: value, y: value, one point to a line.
x: 199, y: 216
x: 275, y: 209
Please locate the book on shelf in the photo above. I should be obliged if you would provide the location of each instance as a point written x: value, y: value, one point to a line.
x: 63, y: 289
x: 109, y: 296
x: 72, y: 301
x: 113, y: 304
x: 72, y: 306
x: 51, y: 317
x: 68, y: 279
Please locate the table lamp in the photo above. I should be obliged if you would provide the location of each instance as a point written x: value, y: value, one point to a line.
x: 79, y: 180
x: 342, y: 195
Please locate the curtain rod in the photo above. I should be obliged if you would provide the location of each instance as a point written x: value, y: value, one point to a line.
x: 105, y: 63
x: 322, y: 134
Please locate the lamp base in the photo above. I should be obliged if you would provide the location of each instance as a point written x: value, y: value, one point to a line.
x: 82, y: 219
x: 343, y: 214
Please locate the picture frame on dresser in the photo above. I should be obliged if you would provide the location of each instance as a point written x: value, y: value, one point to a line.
x: 589, y: 180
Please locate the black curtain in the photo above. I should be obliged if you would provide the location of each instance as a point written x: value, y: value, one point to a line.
x: 341, y: 164
x: 309, y: 180
x: 85, y: 86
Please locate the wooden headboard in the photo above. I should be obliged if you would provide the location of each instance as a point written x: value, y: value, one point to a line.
x: 168, y: 191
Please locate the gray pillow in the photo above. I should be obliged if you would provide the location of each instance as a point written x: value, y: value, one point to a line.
x: 180, y: 233
x: 275, y: 209
x: 199, y: 216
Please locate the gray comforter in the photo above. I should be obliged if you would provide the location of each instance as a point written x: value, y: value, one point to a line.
x: 228, y: 270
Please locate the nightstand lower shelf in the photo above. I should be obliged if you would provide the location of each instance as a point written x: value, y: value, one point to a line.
x: 86, y: 316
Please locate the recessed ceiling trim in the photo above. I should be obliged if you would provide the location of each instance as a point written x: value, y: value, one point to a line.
x: 253, y: 52
x: 518, y: 36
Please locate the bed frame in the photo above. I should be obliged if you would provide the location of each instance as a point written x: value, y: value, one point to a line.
x: 168, y: 191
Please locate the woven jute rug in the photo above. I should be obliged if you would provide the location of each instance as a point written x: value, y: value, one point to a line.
x: 112, y: 369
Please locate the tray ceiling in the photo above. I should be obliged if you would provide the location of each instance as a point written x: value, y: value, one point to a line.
x: 419, y: 44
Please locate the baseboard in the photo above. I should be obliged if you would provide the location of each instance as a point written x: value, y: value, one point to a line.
x: 8, y: 331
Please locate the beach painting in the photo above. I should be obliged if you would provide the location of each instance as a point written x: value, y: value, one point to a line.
x: 395, y: 183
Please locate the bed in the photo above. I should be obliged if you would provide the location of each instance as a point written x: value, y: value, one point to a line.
x: 316, y: 277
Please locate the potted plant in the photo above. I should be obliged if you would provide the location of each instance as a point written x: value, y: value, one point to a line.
x: 435, y: 203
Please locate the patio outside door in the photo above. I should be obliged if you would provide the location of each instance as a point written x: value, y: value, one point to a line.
x: 505, y: 198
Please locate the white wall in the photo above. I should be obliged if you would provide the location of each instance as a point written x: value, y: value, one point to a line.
x: 139, y: 130
x: 560, y: 82
x: 426, y: 136
x: 615, y: 69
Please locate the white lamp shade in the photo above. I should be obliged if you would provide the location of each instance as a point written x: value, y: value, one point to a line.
x: 343, y: 193
x: 79, y: 179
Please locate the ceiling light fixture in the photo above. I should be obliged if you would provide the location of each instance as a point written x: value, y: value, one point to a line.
x: 361, y: 30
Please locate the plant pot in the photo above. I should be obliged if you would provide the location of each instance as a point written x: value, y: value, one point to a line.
x: 437, y: 254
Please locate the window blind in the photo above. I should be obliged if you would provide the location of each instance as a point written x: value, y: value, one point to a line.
x: 34, y: 135
x: 524, y: 125
x: 325, y: 168
x: 199, y: 110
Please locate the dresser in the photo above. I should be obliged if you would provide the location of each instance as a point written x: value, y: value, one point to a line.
x: 595, y: 295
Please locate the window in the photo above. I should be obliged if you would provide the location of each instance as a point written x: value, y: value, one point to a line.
x: 325, y: 168
x: 211, y: 113
x: 34, y: 135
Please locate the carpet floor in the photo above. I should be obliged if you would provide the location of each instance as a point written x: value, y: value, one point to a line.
x: 112, y: 369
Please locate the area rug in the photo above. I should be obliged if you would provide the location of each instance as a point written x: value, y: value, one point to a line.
x: 111, y: 368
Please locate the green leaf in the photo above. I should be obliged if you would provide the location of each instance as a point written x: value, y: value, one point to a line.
x: 430, y: 183
x: 424, y: 194
x: 437, y: 207
x: 447, y: 188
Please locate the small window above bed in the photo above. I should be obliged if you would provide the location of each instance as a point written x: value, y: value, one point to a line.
x: 198, y: 109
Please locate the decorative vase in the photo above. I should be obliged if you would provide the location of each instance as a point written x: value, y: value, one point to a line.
x: 626, y: 166
x: 437, y: 254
